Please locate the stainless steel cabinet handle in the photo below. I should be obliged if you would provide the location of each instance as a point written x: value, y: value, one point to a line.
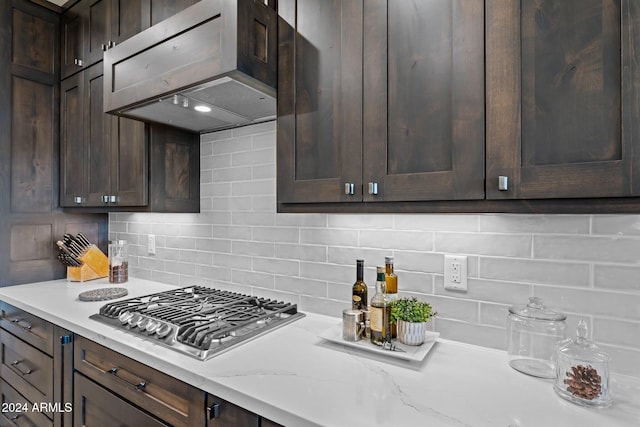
x: 503, y: 183
x: 15, y: 363
x: 112, y: 44
x: 105, y: 198
x: 214, y: 411
x: 78, y: 62
x: 26, y: 326
x: 77, y: 200
x: 349, y: 188
x: 139, y: 387
x: 113, y: 199
x: 104, y: 47
x: 373, y: 188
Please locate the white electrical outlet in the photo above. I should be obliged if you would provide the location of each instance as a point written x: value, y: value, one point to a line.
x: 455, y: 272
x: 151, y: 244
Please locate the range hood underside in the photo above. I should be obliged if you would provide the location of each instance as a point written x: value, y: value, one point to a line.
x: 231, y: 103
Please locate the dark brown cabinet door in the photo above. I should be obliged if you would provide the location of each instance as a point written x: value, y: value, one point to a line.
x: 96, y: 139
x: 423, y: 100
x: 98, y: 30
x: 319, y: 101
x: 129, y: 162
x: 126, y: 19
x: 96, y: 406
x: 155, y: 11
x: 72, y: 147
x: 104, y: 159
x: 563, y: 98
x: 73, y: 23
x: 221, y: 413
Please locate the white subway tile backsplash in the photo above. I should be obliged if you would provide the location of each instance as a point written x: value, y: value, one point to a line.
x: 508, y: 245
x: 588, y: 248
x: 535, y: 271
x: 616, y: 277
x: 511, y: 293
x: 619, y: 225
x: 448, y: 222
x: 540, y: 224
x: 585, y: 265
x: 314, y: 253
x: 295, y: 285
x: 395, y: 239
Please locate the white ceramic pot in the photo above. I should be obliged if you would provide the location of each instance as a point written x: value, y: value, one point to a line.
x: 411, y: 333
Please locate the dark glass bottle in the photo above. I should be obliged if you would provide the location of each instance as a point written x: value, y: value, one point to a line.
x: 359, y: 296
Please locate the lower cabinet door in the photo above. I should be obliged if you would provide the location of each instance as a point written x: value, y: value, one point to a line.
x: 225, y: 414
x: 18, y: 411
x: 95, y: 406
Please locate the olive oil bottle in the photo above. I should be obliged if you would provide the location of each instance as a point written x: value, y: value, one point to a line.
x: 380, y: 311
x: 359, y: 296
x: 391, y: 281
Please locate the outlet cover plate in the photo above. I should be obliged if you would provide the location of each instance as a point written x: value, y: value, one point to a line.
x: 455, y: 273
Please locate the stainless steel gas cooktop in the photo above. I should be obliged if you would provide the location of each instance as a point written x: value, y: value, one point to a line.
x: 197, y: 320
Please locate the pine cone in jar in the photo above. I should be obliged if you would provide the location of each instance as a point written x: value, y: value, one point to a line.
x: 584, y: 382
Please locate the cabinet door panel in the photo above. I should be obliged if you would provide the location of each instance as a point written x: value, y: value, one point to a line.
x: 97, y: 139
x: 319, y: 100
x: 129, y: 169
x: 563, y: 97
x: 98, y: 29
x: 73, y: 22
x: 424, y: 99
x: 126, y: 19
x: 72, y: 147
x: 159, y: 10
x: 95, y: 406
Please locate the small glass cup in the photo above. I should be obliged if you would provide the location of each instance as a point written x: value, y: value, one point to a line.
x: 118, y: 261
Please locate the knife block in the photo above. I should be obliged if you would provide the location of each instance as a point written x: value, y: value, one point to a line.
x: 96, y: 266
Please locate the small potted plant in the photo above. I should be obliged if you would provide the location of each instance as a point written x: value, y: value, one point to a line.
x: 411, y: 317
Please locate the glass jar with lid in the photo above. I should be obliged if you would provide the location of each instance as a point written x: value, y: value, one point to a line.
x: 533, y: 332
x: 582, y: 374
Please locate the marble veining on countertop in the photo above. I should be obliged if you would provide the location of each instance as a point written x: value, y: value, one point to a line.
x: 292, y: 376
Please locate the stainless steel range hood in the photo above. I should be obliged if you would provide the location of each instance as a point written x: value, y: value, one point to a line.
x: 210, y: 67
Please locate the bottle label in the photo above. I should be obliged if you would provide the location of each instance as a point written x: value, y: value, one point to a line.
x: 376, y: 318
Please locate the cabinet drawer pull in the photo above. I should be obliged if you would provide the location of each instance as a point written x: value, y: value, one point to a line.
x: 113, y: 199
x: 349, y: 188
x: 15, y: 364
x: 139, y: 387
x: 214, y: 411
x: 77, y: 200
x: 503, y: 183
x: 78, y: 62
x: 26, y: 326
x: 104, y: 47
x: 373, y: 188
x: 105, y: 198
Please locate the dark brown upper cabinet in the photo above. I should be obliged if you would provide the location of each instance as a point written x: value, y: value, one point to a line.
x: 563, y: 99
x: 103, y: 158
x: 73, y: 34
x: 90, y: 27
x: 380, y: 101
x: 459, y: 106
x: 423, y: 100
x: 114, y: 163
x: 319, y: 127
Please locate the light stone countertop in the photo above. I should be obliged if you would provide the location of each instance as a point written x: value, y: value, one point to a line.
x: 295, y: 378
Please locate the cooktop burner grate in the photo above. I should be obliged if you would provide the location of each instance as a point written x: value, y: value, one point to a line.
x: 197, y: 320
